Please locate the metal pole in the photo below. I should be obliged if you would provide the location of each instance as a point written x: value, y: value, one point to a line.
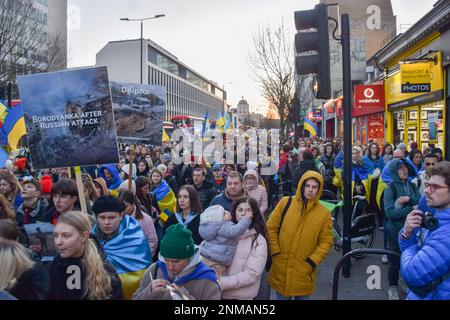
x: 142, y: 35
x: 9, y: 95
x: 347, y: 85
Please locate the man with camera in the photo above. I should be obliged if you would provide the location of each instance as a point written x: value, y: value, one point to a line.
x: 425, y: 241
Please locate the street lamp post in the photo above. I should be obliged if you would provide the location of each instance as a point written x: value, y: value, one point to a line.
x: 142, y: 34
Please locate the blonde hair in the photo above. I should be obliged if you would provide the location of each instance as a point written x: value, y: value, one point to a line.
x: 97, y: 283
x: 15, y: 262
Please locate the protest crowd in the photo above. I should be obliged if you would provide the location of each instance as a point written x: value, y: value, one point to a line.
x: 211, y: 231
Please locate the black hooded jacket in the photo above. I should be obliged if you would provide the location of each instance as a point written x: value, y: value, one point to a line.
x: 34, y: 284
x: 305, y: 165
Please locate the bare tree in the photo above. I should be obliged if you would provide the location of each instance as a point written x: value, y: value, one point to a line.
x: 272, y: 66
x: 56, y: 53
x: 25, y: 47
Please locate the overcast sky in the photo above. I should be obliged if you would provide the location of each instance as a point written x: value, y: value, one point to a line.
x: 213, y: 37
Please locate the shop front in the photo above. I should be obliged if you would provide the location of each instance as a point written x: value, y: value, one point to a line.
x: 368, y: 113
x: 417, y: 113
x: 329, y: 118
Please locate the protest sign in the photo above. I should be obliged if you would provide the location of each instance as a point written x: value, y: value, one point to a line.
x: 138, y: 112
x: 69, y: 118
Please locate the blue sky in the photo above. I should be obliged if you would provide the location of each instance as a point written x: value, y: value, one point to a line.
x: 213, y: 37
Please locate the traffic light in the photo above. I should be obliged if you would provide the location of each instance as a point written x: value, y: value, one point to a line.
x: 313, y: 48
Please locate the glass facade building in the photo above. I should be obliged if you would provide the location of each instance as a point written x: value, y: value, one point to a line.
x: 188, y: 93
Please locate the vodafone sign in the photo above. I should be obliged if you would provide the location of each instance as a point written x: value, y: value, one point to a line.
x: 369, y: 95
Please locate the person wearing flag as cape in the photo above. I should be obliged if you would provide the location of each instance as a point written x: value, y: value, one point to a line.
x: 164, y: 195
x: 361, y: 180
x: 179, y: 266
x: 123, y: 241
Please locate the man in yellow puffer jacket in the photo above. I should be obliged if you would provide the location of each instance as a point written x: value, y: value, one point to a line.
x: 300, y: 242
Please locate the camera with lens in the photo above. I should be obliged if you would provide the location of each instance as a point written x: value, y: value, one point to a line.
x: 429, y: 221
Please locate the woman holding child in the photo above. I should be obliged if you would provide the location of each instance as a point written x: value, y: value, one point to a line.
x: 244, y: 274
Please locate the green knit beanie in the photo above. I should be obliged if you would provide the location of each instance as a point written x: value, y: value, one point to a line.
x: 177, y: 243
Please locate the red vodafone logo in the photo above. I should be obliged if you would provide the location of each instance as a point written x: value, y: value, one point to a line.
x: 369, y: 93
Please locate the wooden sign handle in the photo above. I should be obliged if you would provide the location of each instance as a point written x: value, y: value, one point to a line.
x: 130, y: 170
x: 80, y: 187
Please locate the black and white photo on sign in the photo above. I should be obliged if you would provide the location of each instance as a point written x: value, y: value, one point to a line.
x: 424, y: 115
x: 424, y: 124
x: 424, y: 136
x: 401, y: 125
x: 412, y: 115
x: 412, y: 136
x: 400, y: 115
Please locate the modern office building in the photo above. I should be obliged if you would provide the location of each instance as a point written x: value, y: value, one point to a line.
x: 57, y: 24
x: 51, y: 18
x: 188, y: 92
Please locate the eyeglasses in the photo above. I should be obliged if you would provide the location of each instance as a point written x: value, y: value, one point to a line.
x: 429, y: 164
x: 433, y: 186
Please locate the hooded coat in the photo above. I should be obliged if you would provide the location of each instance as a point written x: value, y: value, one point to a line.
x: 424, y: 262
x: 395, y: 212
x: 198, y: 279
x: 301, y: 243
x: 257, y: 192
x: 115, y: 181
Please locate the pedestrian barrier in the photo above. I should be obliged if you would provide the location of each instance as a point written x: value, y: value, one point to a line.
x: 337, y: 269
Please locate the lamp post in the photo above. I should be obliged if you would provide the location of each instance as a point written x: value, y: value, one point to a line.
x: 142, y: 32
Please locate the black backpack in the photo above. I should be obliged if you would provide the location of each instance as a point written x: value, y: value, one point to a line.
x: 269, y: 256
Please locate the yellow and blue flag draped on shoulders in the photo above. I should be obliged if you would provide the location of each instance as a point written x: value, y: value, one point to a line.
x: 310, y: 126
x: 13, y: 128
x: 128, y: 253
x: 167, y: 201
x: 359, y: 171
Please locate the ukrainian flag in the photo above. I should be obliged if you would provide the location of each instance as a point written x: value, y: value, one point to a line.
x: 167, y: 201
x: 3, y: 111
x: 219, y: 121
x: 165, y: 136
x: 128, y: 252
x: 14, y: 126
x: 205, y: 123
x: 228, y: 123
x: 308, y: 125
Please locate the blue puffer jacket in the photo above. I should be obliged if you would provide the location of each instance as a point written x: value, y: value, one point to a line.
x: 421, y: 264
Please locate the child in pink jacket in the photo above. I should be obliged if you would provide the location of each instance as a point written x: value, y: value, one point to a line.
x: 255, y: 190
